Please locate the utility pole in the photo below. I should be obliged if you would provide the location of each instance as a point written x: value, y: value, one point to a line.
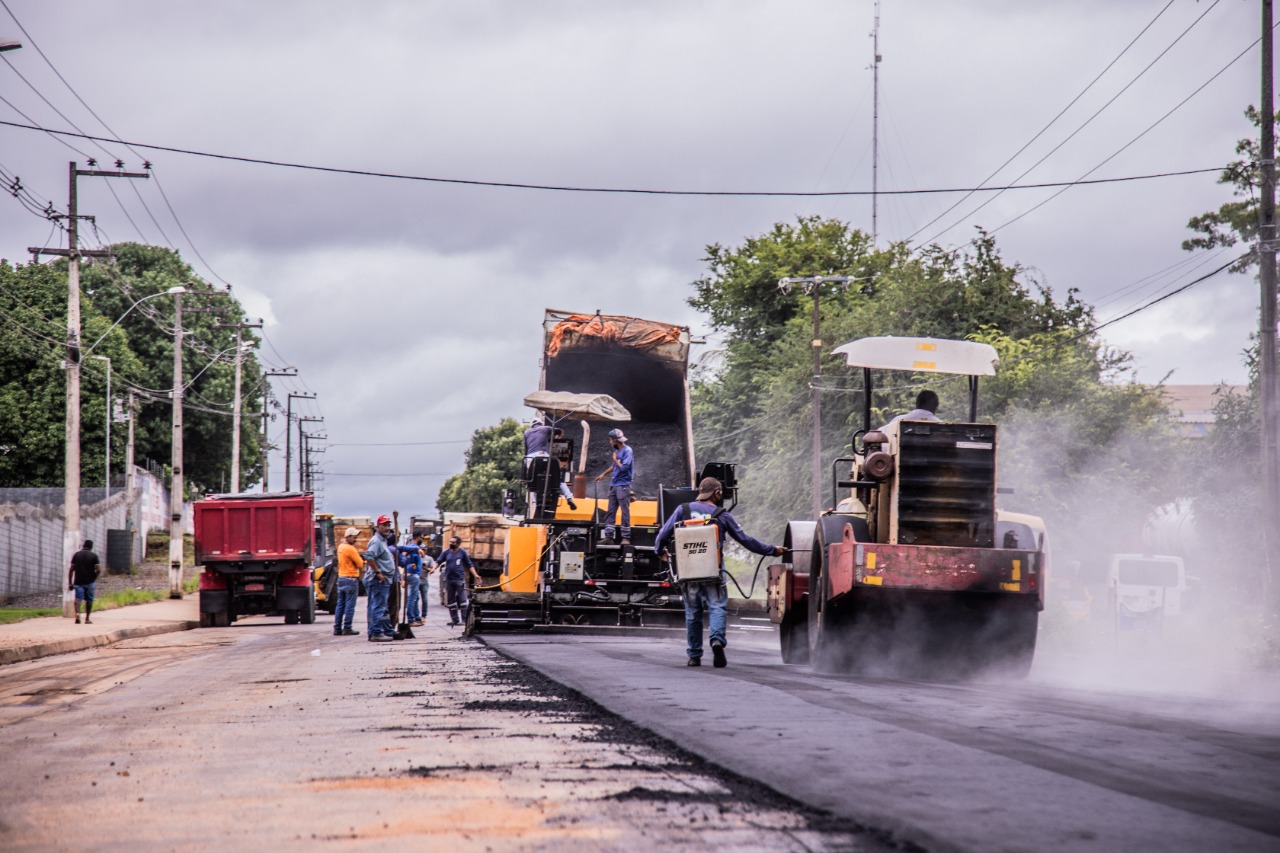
x: 288, y: 433
x: 301, y: 458
x: 71, y: 459
x: 875, y: 128
x: 175, y: 485
x: 235, y: 409
x: 266, y: 417
x: 1269, y: 388
x: 128, y: 474
x: 106, y: 469
x: 813, y: 286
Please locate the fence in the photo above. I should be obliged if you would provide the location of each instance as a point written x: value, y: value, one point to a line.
x: 31, y: 528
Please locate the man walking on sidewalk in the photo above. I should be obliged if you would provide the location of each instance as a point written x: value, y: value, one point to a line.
x: 349, y: 565
x: 82, y: 577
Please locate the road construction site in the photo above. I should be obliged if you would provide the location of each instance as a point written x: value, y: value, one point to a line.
x: 272, y: 736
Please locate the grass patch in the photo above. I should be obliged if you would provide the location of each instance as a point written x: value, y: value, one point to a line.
x: 9, y: 615
x: 127, y: 597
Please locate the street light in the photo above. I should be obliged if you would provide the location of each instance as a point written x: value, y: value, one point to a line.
x: 173, y: 291
x: 106, y: 469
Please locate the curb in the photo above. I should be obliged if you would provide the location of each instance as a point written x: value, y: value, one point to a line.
x: 40, y: 650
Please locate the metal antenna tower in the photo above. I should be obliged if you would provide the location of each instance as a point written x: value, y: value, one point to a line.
x: 875, y: 127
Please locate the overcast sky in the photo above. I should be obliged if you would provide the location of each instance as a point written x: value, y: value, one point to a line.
x: 414, y: 309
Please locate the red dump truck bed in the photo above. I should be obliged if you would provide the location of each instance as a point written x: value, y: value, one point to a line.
x: 256, y: 551
x: 245, y: 528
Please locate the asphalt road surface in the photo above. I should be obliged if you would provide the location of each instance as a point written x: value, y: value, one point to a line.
x: 1064, y: 761
x: 263, y: 736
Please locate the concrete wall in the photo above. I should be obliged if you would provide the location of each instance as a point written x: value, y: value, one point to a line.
x: 31, y: 522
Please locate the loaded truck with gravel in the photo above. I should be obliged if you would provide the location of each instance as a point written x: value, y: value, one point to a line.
x: 257, y: 551
x: 599, y: 372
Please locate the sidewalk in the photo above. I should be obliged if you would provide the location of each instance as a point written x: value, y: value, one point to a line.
x: 55, y: 635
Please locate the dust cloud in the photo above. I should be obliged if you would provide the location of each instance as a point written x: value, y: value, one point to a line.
x: 1188, y: 616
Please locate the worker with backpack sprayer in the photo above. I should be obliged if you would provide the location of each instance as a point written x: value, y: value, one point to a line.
x: 697, y: 530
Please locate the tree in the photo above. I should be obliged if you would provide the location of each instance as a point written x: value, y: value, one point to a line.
x: 493, y: 466
x: 32, y: 384
x: 754, y: 407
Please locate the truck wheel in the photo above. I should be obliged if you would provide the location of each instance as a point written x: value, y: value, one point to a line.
x: 292, y: 617
x: 222, y: 620
x: 206, y: 620
x: 793, y: 634
x: 308, y: 616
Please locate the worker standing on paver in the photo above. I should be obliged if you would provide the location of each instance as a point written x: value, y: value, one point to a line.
x: 379, y: 575
x: 622, y: 472
x: 349, y: 565
x: 457, y: 563
x: 82, y: 577
x: 537, y: 444
x: 713, y: 593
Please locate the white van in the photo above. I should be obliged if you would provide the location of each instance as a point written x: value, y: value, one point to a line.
x: 1146, y: 584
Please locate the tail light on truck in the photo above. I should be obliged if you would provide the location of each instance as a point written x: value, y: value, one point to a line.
x: 212, y: 580
x: 296, y: 577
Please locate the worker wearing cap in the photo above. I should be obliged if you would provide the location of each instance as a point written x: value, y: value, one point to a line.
x: 349, y: 564
x: 457, y: 562
x: 714, y: 593
x: 380, y: 573
x: 619, y: 486
x: 537, y: 443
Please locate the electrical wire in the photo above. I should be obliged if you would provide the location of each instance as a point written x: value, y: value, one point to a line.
x: 1054, y: 120
x: 615, y: 190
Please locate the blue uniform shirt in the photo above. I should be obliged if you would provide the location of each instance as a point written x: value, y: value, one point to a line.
x: 537, y: 439
x: 726, y: 522
x: 379, y: 552
x: 455, y: 564
x: 623, y: 467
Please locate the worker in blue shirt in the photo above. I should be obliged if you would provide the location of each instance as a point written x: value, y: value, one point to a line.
x: 714, y: 593
x: 379, y: 575
x: 411, y: 563
x: 456, y: 562
x: 619, y: 486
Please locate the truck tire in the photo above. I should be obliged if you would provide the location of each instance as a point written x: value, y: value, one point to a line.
x: 206, y: 620
x: 222, y: 620
x: 292, y: 617
x: 308, y: 616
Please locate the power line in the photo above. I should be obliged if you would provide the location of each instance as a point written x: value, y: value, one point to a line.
x: 1054, y: 120
x: 609, y: 190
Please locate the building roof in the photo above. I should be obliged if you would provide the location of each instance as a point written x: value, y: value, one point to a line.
x: 1193, y: 404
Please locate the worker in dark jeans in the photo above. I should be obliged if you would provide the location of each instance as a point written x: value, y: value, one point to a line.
x: 621, y: 473
x: 713, y: 593
x: 349, y: 564
x: 456, y: 562
x: 82, y: 577
x: 380, y: 574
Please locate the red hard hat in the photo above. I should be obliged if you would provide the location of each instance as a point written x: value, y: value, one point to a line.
x: 384, y: 519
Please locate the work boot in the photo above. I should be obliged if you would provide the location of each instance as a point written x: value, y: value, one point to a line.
x: 694, y: 662
x: 347, y: 632
x: 717, y: 652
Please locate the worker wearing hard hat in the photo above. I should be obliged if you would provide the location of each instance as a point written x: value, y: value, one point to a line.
x: 619, y: 486
x: 379, y: 575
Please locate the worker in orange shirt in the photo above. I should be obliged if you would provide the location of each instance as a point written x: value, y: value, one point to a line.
x: 350, y: 564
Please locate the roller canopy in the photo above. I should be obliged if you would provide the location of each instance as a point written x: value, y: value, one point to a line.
x: 583, y: 407
x: 925, y: 355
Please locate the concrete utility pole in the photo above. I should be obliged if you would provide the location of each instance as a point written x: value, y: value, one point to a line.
x: 129, y: 482
x: 71, y: 459
x: 875, y: 128
x: 813, y: 286
x: 235, y: 409
x: 288, y: 434
x: 301, y: 457
x: 175, y: 485
x: 1269, y: 387
x: 266, y: 423
x: 106, y: 469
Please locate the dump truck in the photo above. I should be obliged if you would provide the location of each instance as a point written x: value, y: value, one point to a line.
x: 257, y: 551
x: 599, y: 372
x: 484, y: 537
x: 917, y: 572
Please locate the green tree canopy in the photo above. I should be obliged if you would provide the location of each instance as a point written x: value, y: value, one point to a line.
x: 140, y: 346
x: 493, y: 466
x: 753, y: 405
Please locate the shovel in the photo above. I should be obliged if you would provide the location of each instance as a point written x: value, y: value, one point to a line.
x: 403, y: 631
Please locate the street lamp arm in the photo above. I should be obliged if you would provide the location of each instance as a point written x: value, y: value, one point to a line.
x: 173, y: 291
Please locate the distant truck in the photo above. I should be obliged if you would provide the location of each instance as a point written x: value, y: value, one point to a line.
x: 1144, y: 589
x: 257, y: 552
x: 483, y: 535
